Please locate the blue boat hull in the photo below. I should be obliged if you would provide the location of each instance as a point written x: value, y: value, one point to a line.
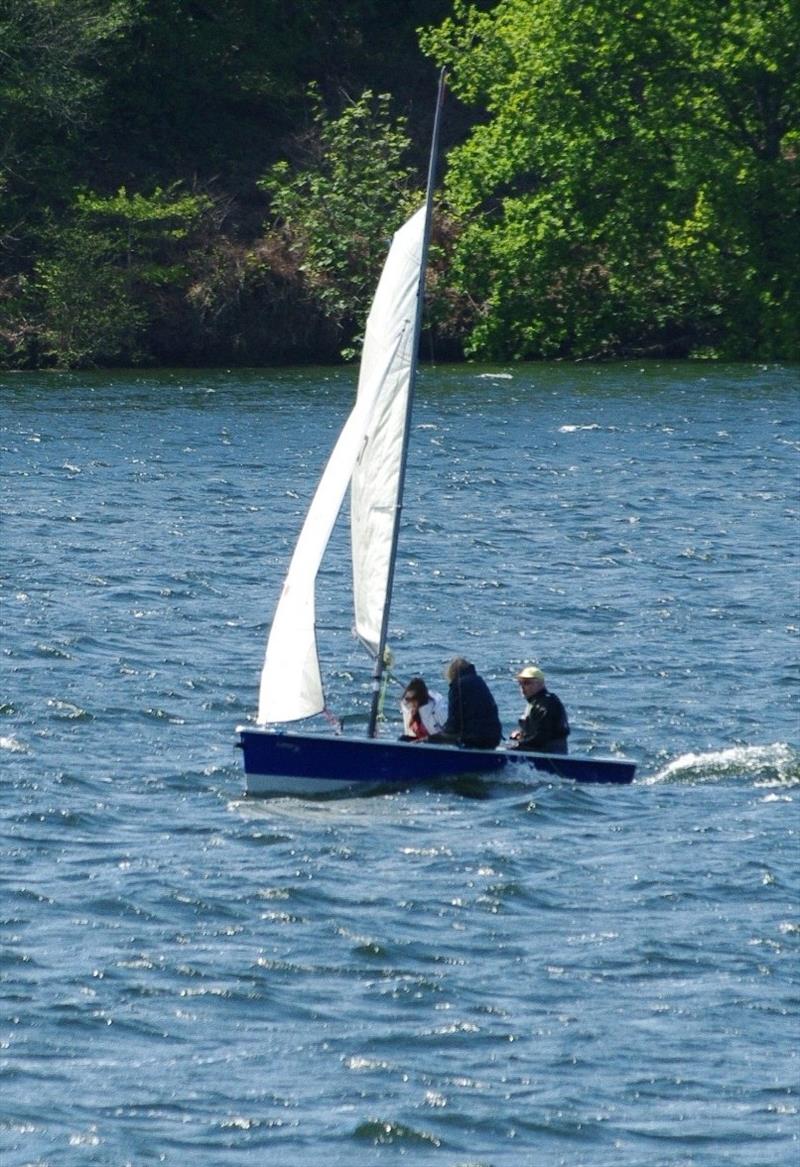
x: 298, y: 763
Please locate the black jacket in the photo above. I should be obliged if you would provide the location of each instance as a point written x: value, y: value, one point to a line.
x: 545, y: 726
x: 472, y: 715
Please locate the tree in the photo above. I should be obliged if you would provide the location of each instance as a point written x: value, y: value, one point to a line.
x: 51, y: 59
x: 634, y: 185
x: 107, y: 270
x: 166, y: 95
x: 334, y: 214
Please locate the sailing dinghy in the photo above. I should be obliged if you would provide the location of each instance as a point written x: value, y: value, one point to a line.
x: 369, y: 458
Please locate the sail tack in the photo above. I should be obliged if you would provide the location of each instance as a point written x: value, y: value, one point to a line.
x: 367, y: 456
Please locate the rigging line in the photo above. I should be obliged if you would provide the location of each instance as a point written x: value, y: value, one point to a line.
x: 333, y: 720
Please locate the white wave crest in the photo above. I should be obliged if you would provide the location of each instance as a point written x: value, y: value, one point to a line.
x: 773, y: 765
x: 11, y: 743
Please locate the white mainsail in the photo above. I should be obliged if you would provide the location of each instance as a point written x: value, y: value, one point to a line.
x: 389, y: 345
x: 371, y: 445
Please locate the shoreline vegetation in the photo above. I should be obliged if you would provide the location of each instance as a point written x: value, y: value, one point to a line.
x: 193, y: 185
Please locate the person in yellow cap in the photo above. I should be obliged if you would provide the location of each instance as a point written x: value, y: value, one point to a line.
x: 544, y: 726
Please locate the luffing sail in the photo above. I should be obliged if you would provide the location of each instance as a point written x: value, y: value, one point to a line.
x: 369, y: 451
x: 386, y: 369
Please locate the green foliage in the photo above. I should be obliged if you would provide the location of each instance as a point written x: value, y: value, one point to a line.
x: 635, y: 186
x: 52, y: 53
x: 335, y: 214
x: 89, y: 314
x: 147, y: 232
x: 95, y: 287
x: 99, y: 94
x: 627, y: 180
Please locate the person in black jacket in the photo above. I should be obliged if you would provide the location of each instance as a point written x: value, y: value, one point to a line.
x: 472, y: 717
x: 544, y: 726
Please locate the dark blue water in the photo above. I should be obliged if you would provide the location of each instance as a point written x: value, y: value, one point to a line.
x: 496, y: 976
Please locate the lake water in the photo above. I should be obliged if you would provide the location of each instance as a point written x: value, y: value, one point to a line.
x: 510, y: 975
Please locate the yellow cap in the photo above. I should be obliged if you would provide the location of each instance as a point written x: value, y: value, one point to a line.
x: 530, y: 673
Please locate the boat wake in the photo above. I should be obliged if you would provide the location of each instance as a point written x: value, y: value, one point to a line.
x: 764, y: 766
x: 13, y: 744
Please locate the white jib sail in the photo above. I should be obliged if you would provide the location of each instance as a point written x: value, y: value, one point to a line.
x: 386, y: 366
x: 291, y: 684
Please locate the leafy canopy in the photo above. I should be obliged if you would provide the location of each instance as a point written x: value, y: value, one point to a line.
x: 635, y: 182
x: 336, y: 213
x: 97, y: 285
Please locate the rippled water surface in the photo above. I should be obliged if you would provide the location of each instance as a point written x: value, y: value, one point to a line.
x: 486, y: 976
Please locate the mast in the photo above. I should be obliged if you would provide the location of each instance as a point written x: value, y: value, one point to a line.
x: 377, y: 675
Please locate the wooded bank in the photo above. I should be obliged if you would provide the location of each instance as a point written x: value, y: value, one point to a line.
x: 184, y: 182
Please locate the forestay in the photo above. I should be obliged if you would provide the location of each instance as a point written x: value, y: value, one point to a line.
x: 369, y: 451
